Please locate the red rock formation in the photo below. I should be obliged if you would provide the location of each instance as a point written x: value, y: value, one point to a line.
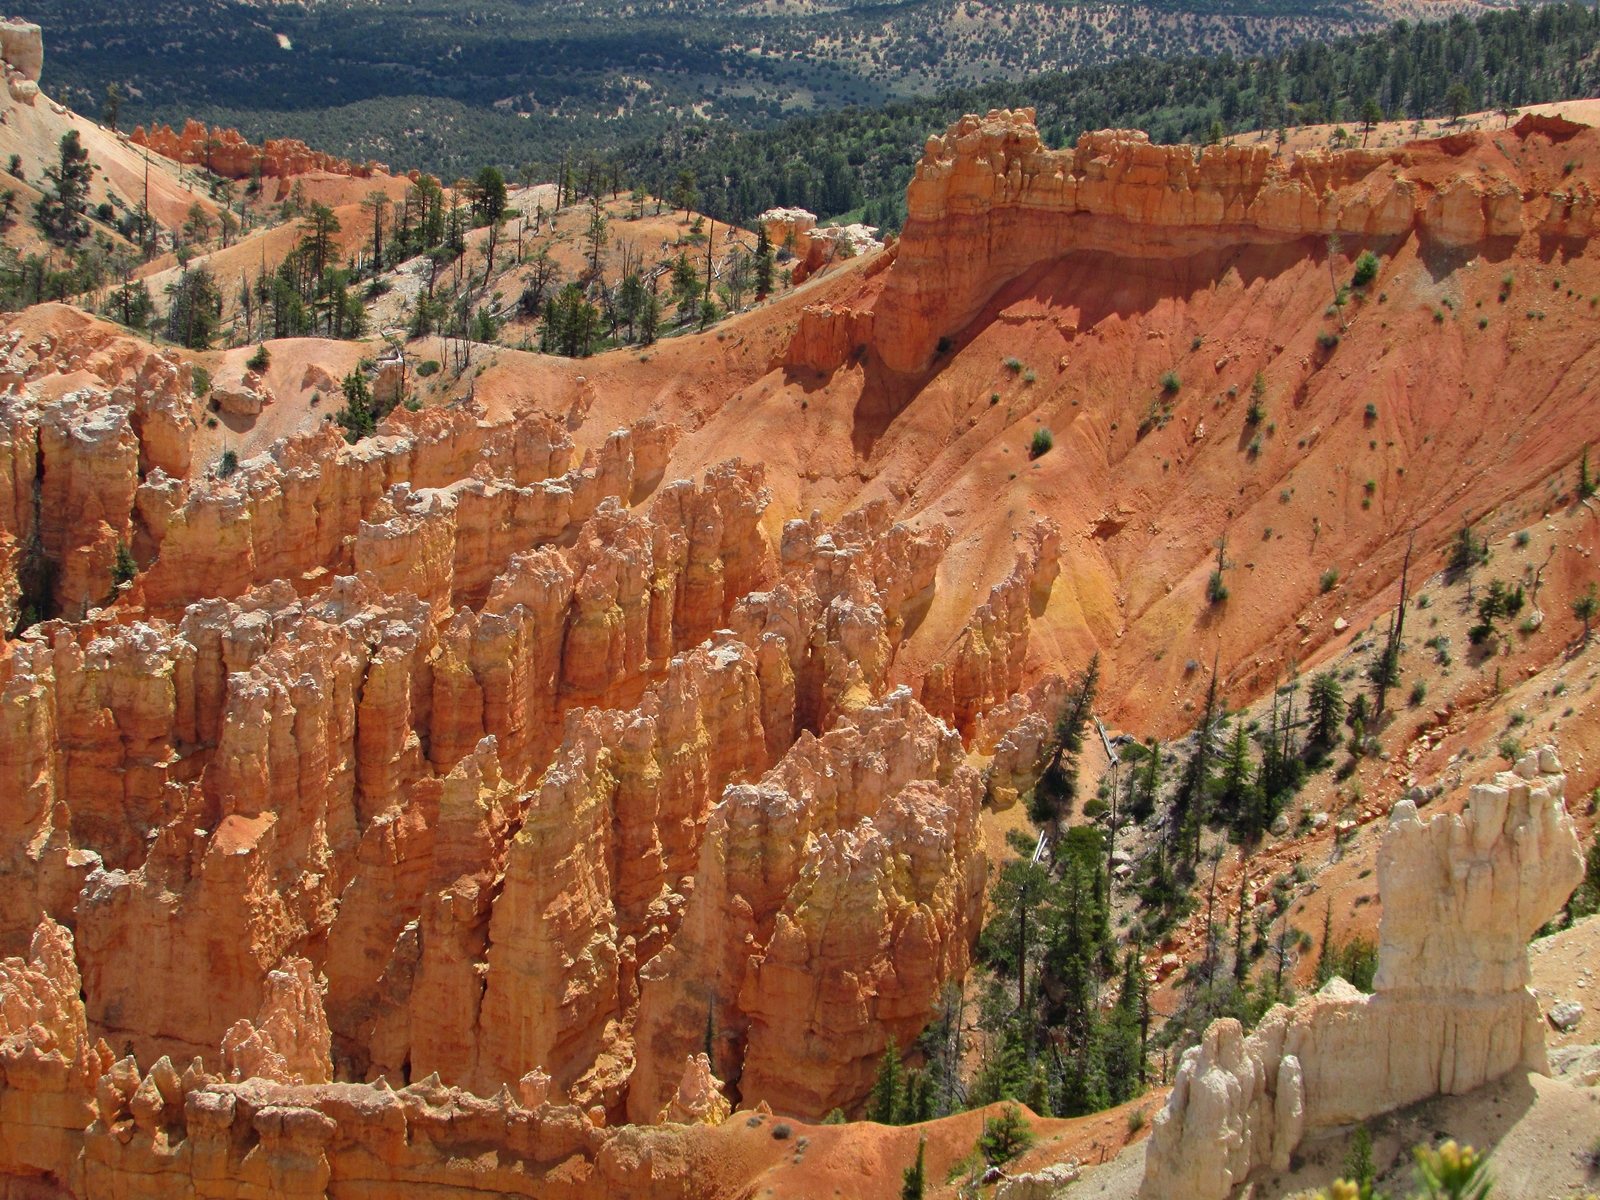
x: 831, y: 901
x: 227, y: 153
x: 984, y: 667
x: 828, y: 336
x: 989, y: 200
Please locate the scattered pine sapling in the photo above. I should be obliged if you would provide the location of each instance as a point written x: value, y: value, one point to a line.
x: 1257, y: 411
x: 1585, y: 607
x: 1216, y: 590
x: 1586, y: 484
x: 1452, y: 1172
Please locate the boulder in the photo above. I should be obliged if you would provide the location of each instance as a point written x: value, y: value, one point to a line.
x: 1566, y: 1016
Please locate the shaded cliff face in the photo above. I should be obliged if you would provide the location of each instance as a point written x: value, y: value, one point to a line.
x: 989, y: 201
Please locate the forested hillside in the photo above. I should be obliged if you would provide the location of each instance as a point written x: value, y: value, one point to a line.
x: 861, y: 160
x: 445, y: 84
x: 657, y: 95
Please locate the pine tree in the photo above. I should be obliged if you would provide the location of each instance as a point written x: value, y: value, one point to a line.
x: 60, y: 210
x: 1121, y: 1039
x: 196, y: 308
x: 1325, y: 707
x: 357, y: 416
x: 1189, y: 803
x: 1144, y: 783
x: 1584, y: 608
x: 1004, y: 1137
x: 1057, y: 788
x: 1327, y: 952
x: 763, y: 262
x: 595, y: 236
x: 886, y: 1088
x: 125, y: 568
x: 1236, y: 794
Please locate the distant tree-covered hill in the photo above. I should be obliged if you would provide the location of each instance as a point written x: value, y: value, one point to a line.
x: 861, y: 160
x: 780, y: 101
x: 384, y: 78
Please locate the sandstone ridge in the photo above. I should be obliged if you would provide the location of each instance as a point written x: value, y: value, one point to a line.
x: 228, y: 153
x: 989, y: 200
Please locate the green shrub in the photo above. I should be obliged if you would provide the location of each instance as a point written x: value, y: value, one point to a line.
x: 1330, y: 579
x: 1170, y: 383
x: 430, y: 367
x: 200, y: 380
x: 260, y: 360
x: 1451, y: 1173
x: 1366, y: 269
x: 1004, y: 1137
x: 1043, y: 442
x: 228, y: 465
x: 1419, y: 692
x: 1014, y: 365
x: 1327, y: 339
x: 125, y: 568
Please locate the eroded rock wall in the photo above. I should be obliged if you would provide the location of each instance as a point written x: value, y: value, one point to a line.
x: 831, y: 901
x: 443, y: 764
x: 989, y: 200
x: 1452, y: 1009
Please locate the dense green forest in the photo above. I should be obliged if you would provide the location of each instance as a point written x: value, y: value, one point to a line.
x: 446, y: 84
x: 860, y: 160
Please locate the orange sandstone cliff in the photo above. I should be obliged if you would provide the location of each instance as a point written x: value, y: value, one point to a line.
x: 228, y: 153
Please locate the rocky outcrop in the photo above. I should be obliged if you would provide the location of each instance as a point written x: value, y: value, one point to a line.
x: 440, y: 757
x: 699, y: 1099
x: 789, y: 229
x: 592, y: 884
x: 228, y: 153
x: 1016, y: 735
x: 289, y: 1040
x: 828, y: 336
x: 76, y: 1121
x: 244, y: 396
x: 1452, y: 1007
x: 48, y: 1069
x: 831, y: 901
x: 835, y: 243
x: 989, y: 200
x: 22, y: 47
x: 89, y: 470
x: 984, y: 668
